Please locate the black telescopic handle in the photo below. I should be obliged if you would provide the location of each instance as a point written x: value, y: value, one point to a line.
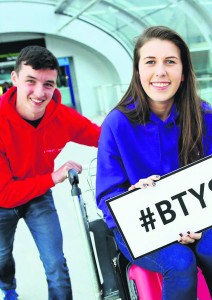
x: 74, y: 180
x: 73, y: 176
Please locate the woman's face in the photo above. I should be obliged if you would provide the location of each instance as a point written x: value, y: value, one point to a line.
x: 160, y: 70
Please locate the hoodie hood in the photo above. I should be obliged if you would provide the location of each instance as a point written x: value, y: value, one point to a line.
x: 173, y: 115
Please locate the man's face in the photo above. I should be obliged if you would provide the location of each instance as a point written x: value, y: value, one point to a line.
x: 35, y: 89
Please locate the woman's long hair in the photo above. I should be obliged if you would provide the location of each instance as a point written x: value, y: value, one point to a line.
x: 186, y: 98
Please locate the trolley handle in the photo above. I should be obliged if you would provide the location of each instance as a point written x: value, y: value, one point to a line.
x: 74, y: 180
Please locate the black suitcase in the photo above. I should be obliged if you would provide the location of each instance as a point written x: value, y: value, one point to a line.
x: 112, y: 263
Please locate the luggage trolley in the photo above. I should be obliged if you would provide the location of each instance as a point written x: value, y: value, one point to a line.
x: 99, y: 244
x: 84, y: 229
x: 112, y: 263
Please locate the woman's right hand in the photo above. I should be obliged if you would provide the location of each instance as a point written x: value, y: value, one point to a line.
x: 143, y: 183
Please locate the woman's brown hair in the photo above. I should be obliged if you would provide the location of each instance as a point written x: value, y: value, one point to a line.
x: 186, y: 98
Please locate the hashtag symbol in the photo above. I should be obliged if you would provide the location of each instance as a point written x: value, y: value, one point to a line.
x: 147, y: 219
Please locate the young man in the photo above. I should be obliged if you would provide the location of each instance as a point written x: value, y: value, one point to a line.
x: 35, y: 127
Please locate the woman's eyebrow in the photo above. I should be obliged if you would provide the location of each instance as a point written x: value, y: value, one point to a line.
x: 147, y: 57
x: 169, y: 57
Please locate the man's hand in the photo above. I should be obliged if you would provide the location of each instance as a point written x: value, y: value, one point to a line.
x: 62, y: 173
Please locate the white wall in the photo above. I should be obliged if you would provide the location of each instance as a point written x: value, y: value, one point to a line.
x: 91, y: 69
x: 98, y: 58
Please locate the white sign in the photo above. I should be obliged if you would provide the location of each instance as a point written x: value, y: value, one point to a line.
x: 152, y: 218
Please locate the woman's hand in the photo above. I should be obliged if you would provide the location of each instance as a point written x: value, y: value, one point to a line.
x: 189, y: 238
x: 145, y: 182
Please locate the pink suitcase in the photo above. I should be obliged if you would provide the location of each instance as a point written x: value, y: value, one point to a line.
x: 146, y: 285
x: 202, y: 288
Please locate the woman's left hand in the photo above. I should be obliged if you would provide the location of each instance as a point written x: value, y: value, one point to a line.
x: 189, y: 238
x: 143, y: 183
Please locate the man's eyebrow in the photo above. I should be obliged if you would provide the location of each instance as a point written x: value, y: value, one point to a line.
x: 32, y: 77
x: 51, y: 81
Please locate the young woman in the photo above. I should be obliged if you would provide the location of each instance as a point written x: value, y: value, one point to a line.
x: 159, y: 125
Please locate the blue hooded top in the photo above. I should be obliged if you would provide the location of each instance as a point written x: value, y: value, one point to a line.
x: 128, y: 152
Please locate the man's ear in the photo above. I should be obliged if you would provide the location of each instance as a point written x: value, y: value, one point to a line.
x: 14, y: 78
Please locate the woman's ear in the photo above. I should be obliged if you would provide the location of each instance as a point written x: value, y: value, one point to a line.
x: 182, y: 78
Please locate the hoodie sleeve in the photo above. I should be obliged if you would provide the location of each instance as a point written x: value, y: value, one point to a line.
x: 17, y: 192
x: 82, y: 130
x: 111, y: 177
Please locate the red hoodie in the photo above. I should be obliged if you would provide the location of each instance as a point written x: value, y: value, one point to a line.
x: 27, y: 154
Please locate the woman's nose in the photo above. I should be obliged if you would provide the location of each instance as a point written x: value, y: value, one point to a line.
x: 160, y: 70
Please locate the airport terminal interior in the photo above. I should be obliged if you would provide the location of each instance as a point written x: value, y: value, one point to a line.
x: 93, y: 41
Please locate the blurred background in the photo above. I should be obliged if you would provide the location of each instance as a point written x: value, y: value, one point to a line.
x: 93, y: 41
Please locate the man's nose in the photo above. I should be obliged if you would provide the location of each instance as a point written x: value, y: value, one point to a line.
x: 39, y: 91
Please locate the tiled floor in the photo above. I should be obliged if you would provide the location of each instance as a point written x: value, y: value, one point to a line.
x: 30, y: 274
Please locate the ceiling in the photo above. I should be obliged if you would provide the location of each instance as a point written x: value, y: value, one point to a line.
x: 124, y: 20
